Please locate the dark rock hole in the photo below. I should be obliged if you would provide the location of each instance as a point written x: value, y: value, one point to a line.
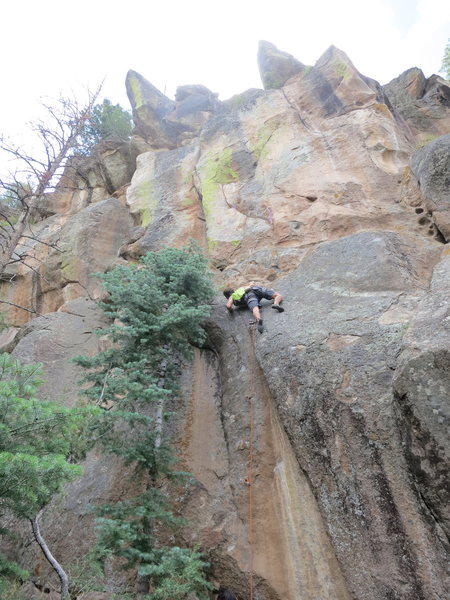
x: 423, y: 221
x: 419, y: 211
x: 311, y: 198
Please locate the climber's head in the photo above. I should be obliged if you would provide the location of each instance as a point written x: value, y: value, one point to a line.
x: 227, y: 292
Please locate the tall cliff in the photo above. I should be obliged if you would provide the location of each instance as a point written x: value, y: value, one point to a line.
x: 335, y: 191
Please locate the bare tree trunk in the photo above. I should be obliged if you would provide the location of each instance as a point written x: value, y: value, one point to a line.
x: 160, y: 405
x: 63, y: 578
x: 143, y: 580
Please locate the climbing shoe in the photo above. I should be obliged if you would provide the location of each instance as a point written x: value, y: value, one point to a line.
x: 278, y: 307
x: 260, y: 326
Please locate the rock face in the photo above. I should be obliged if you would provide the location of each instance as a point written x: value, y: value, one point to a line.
x: 275, y: 66
x: 424, y: 103
x: 324, y: 189
x: 431, y: 167
x: 162, y: 122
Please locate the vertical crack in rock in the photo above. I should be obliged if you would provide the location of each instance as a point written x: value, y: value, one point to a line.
x: 292, y: 555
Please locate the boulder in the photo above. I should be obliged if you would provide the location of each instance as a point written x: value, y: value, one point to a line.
x: 423, y: 103
x: 149, y: 108
x: 275, y: 66
x: 194, y: 105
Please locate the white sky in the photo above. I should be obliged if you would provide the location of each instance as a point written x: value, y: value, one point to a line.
x: 48, y: 47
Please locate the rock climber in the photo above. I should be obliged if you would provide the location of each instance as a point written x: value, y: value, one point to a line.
x: 226, y: 594
x: 251, y: 296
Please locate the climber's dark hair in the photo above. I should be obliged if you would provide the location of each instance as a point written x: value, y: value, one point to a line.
x: 227, y: 292
x: 226, y: 594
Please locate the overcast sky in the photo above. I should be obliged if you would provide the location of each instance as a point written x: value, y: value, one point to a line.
x: 50, y: 47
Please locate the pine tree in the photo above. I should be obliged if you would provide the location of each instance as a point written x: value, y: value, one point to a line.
x: 105, y: 120
x: 157, y: 309
x: 39, y: 440
x: 445, y: 67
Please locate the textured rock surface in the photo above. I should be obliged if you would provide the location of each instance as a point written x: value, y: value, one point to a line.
x: 431, y: 167
x: 307, y: 188
x: 424, y: 103
x: 75, y: 246
x: 276, y: 66
x: 422, y: 384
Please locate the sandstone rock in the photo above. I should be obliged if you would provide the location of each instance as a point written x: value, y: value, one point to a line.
x: 424, y: 103
x: 329, y: 360
x: 194, y: 105
x: 54, y: 339
x: 90, y: 179
x: 306, y: 188
x: 267, y: 192
x: 116, y: 161
x: 284, y: 509
x: 431, y: 167
x: 90, y: 242
x: 73, y: 248
x: 275, y: 66
x: 164, y: 123
x: 7, y: 339
x: 162, y: 197
x: 422, y: 383
x: 150, y: 107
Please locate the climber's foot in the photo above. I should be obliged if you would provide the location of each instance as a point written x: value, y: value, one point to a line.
x: 260, y: 326
x: 278, y: 307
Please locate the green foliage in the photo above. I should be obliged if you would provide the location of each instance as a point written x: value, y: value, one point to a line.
x: 445, y: 67
x: 28, y: 482
x: 11, y: 589
x: 85, y: 576
x: 106, y: 120
x: 157, y: 309
x: 176, y: 572
x: 37, y: 440
x: 129, y: 528
x: 11, y: 576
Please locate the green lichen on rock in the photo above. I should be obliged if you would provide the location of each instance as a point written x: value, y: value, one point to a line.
x: 224, y: 172
x: 187, y: 202
x: 264, y: 134
x: 217, y: 170
x: 136, y: 91
x: 425, y: 139
x: 272, y: 82
x: 341, y: 69
x: 68, y: 269
x: 146, y: 202
x: 212, y: 244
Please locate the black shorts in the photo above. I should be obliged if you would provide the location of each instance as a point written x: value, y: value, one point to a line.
x: 256, y: 294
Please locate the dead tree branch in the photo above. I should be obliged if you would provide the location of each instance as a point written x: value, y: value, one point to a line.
x: 59, y: 139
